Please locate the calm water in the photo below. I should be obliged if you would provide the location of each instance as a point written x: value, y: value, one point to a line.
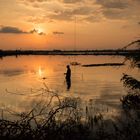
x: 26, y: 73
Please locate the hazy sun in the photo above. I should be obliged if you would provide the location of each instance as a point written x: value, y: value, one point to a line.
x: 39, y: 30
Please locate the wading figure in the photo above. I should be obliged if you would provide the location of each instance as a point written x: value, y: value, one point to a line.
x: 68, y: 77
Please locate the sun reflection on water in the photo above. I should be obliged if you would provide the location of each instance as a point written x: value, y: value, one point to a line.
x: 40, y: 72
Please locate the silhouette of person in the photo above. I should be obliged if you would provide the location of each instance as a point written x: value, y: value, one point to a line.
x: 68, y: 77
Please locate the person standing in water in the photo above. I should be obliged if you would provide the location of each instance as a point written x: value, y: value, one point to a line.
x: 68, y: 77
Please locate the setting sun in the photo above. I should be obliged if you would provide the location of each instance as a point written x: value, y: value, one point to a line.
x: 40, y: 30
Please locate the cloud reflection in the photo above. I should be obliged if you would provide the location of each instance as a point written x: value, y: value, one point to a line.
x: 12, y: 72
x: 110, y: 96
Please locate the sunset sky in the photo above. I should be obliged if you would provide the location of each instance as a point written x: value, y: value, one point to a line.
x: 54, y: 24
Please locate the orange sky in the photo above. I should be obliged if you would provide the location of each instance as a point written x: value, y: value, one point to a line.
x: 52, y: 24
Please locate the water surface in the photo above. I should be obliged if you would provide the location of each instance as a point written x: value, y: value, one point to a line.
x: 25, y: 74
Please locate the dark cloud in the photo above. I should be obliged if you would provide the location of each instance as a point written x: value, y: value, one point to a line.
x: 10, y: 29
x: 118, y: 4
x: 69, y: 14
x: 93, y: 18
x: 72, y: 1
x: 115, y: 14
x: 58, y: 33
x: 15, y: 30
x: 41, y: 33
x: 62, y: 15
x: 137, y: 1
x: 64, y: 1
x: 82, y: 11
x: 33, y: 31
x: 119, y: 9
x: 36, y: 0
x: 86, y: 10
x: 36, y: 31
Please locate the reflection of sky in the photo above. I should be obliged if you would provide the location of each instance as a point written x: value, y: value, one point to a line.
x: 110, y: 96
x: 12, y: 72
x: 102, y: 84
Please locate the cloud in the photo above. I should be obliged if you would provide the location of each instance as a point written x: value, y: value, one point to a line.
x: 118, y: 4
x: 36, y: 19
x: 93, y: 18
x: 36, y: 0
x: 72, y: 1
x: 63, y: 1
x: 69, y: 14
x: 84, y: 10
x: 62, y: 15
x: 41, y: 33
x: 16, y: 30
x: 12, y: 72
x: 36, y: 31
x: 137, y: 1
x: 33, y: 31
x: 115, y: 14
x: 10, y: 29
x: 114, y: 9
x: 62, y: 10
x: 120, y: 9
x: 58, y: 33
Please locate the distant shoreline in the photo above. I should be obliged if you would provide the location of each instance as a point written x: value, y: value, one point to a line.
x: 4, y: 53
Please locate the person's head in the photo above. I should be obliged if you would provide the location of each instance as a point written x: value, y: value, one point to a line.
x: 68, y: 66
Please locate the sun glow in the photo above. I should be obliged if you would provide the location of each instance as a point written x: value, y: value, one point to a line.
x: 39, y: 30
x: 40, y: 71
